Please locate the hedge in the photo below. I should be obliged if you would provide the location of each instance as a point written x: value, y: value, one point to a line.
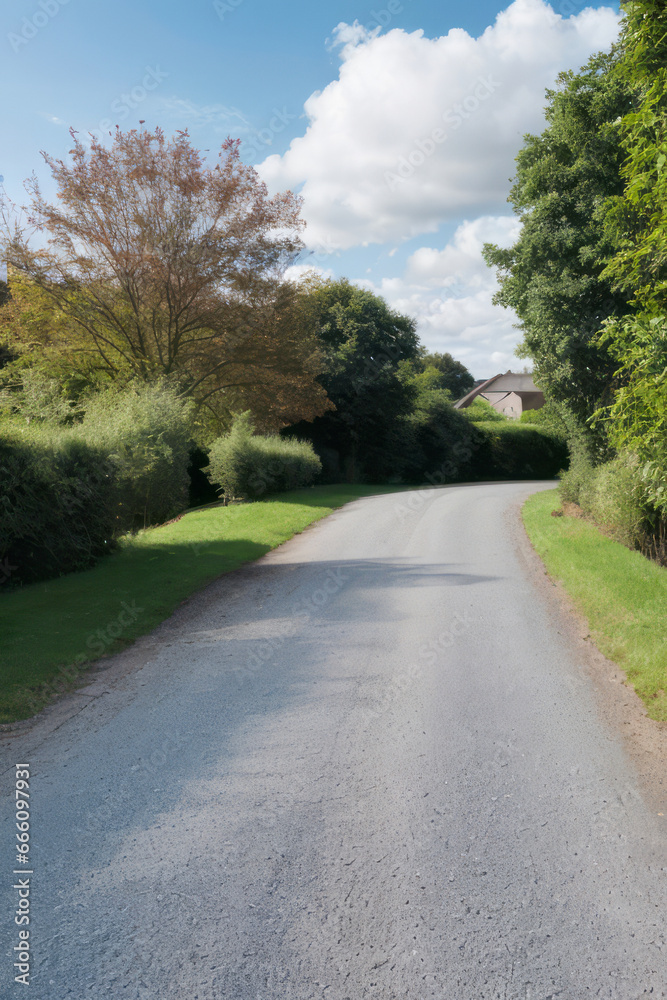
x: 55, y: 509
x: 515, y: 451
x: 68, y: 492
x: 248, y: 466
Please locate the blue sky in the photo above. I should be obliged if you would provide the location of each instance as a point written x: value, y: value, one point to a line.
x: 397, y: 121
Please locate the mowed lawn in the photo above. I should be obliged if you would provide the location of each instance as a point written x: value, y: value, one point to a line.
x: 622, y: 595
x: 52, y: 631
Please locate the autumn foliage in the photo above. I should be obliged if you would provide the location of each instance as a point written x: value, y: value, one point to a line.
x: 164, y: 266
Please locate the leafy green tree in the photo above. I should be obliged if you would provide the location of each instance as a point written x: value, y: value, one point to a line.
x: 364, y: 343
x: 553, y: 276
x: 637, y: 222
x: 442, y: 371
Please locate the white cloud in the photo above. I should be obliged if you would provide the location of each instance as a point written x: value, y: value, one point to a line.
x: 418, y: 131
x: 297, y: 272
x: 449, y: 293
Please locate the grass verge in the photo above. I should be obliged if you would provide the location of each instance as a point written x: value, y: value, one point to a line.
x: 622, y: 594
x: 52, y: 631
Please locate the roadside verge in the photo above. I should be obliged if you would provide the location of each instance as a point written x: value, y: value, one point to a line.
x: 622, y: 595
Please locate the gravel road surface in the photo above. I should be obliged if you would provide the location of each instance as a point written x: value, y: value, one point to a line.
x: 370, y: 765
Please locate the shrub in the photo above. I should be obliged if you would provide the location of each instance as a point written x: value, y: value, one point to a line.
x: 146, y: 431
x: 435, y: 439
x: 510, y: 450
x: 574, y: 481
x: 613, y: 495
x: 69, y: 492
x: 247, y: 466
x: 548, y: 417
x: 481, y: 411
x: 55, y: 509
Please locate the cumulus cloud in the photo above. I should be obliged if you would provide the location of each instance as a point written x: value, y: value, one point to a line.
x: 416, y: 131
x: 449, y: 292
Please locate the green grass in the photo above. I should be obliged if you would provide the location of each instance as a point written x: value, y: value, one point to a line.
x: 622, y: 595
x: 52, y: 631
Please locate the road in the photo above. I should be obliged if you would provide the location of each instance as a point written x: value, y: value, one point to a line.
x: 370, y: 765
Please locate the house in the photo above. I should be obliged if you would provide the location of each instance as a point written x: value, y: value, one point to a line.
x: 510, y: 394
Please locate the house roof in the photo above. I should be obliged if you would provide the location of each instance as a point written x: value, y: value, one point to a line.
x: 508, y: 382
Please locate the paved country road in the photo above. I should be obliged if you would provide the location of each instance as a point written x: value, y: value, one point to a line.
x: 370, y: 765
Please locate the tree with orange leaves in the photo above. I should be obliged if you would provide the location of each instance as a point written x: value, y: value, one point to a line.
x: 168, y: 267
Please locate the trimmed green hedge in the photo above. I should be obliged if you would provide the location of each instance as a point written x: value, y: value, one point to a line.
x: 515, y: 451
x: 146, y: 431
x: 68, y: 492
x: 56, y: 514
x: 248, y: 466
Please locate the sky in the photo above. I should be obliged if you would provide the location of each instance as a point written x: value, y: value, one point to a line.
x: 397, y: 122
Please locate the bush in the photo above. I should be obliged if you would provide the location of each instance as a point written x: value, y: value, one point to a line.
x: 247, y: 466
x: 435, y: 439
x: 548, y: 417
x: 481, y: 411
x: 146, y: 431
x: 614, y: 495
x: 575, y: 480
x: 55, y: 509
x: 69, y: 492
x: 510, y: 450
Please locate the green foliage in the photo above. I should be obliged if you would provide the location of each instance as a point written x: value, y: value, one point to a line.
x: 434, y: 439
x: 619, y: 499
x: 55, y: 509
x: 638, y: 415
x: 637, y: 220
x: 145, y: 429
x: 365, y: 343
x: 574, y: 481
x: 613, y: 496
x: 510, y: 450
x: 442, y: 371
x: 554, y: 276
x: 37, y: 396
x: 248, y: 466
x: 481, y: 411
x: 153, y: 264
x: 622, y: 595
x: 549, y: 417
x: 69, y: 492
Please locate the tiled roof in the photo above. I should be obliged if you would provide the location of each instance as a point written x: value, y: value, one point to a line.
x: 509, y: 382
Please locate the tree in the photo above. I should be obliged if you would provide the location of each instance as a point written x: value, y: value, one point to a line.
x: 637, y: 221
x: 166, y: 267
x: 442, y: 371
x: 553, y: 276
x: 364, y: 343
